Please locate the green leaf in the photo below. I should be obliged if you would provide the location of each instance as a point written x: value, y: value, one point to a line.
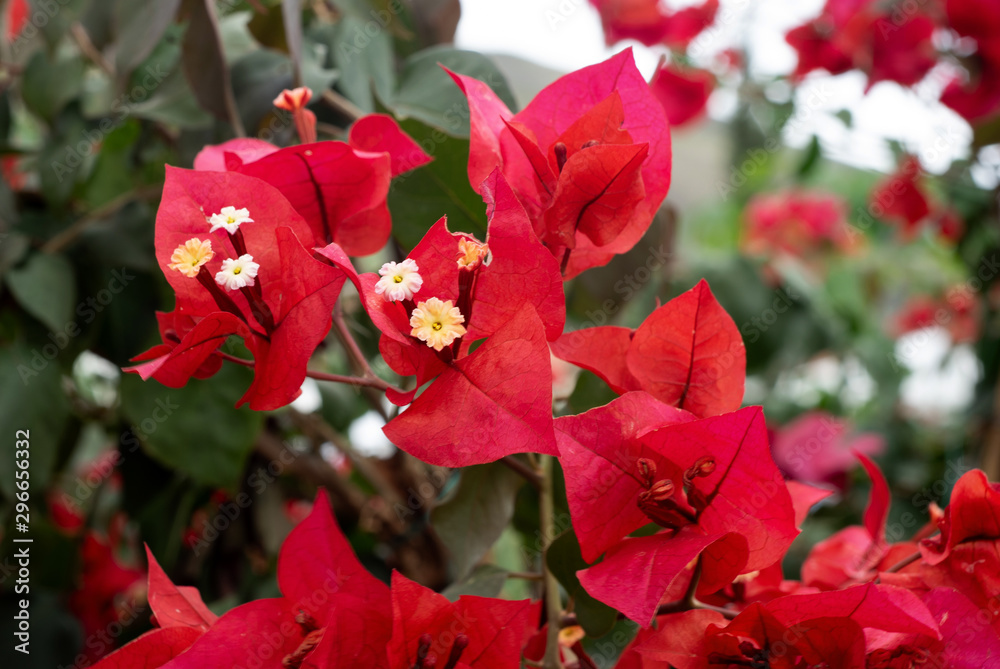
x: 46, y: 288
x: 31, y: 398
x: 811, y: 158
x: 268, y: 28
x: 258, y: 78
x: 205, y: 64
x: 365, y: 61
x: 428, y: 94
x: 419, y: 198
x: 195, y: 429
x: 173, y: 103
x: 590, y: 392
x: 114, y: 172
x: 564, y: 560
x: 486, y: 580
x: 355, y: 8
x: 141, y: 25
x: 46, y: 86
x: 291, y: 16
x: 986, y: 133
x: 471, y: 520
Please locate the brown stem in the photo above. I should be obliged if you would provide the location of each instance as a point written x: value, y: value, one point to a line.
x: 312, y: 468
x: 312, y: 423
x: 679, y: 606
x: 364, y: 382
x: 565, y: 261
x: 526, y: 575
x: 342, y: 104
x: 553, y: 602
x: 358, y: 361
x: 86, y: 46
x: 531, y: 475
x: 69, y: 235
x: 319, y: 376
x: 903, y: 564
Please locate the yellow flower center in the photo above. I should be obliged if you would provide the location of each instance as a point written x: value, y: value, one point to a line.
x: 397, y: 279
x: 437, y: 325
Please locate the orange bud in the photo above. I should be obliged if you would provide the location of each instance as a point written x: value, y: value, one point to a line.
x: 293, y: 100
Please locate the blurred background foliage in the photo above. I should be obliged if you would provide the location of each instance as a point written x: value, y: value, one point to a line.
x: 96, y: 97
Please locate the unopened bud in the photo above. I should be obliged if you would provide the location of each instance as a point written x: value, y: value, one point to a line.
x: 561, y: 154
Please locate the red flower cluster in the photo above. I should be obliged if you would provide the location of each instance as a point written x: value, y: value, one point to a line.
x: 901, y: 199
x: 588, y: 158
x: 332, y: 613
x: 682, y: 516
x: 862, y: 602
x: 894, y: 43
x: 265, y: 208
x: 650, y: 22
x: 710, y: 577
x: 856, y: 34
x: 819, y: 448
x: 958, y: 311
x: 683, y: 92
x: 798, y: 223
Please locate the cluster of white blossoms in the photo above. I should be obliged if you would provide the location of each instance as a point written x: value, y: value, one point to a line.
x: 434, y: 321
x: 235, y: 273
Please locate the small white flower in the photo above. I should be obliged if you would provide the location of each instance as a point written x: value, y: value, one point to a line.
x: 399, y: 280
x: 238, y: 273
x: 230, y: 218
